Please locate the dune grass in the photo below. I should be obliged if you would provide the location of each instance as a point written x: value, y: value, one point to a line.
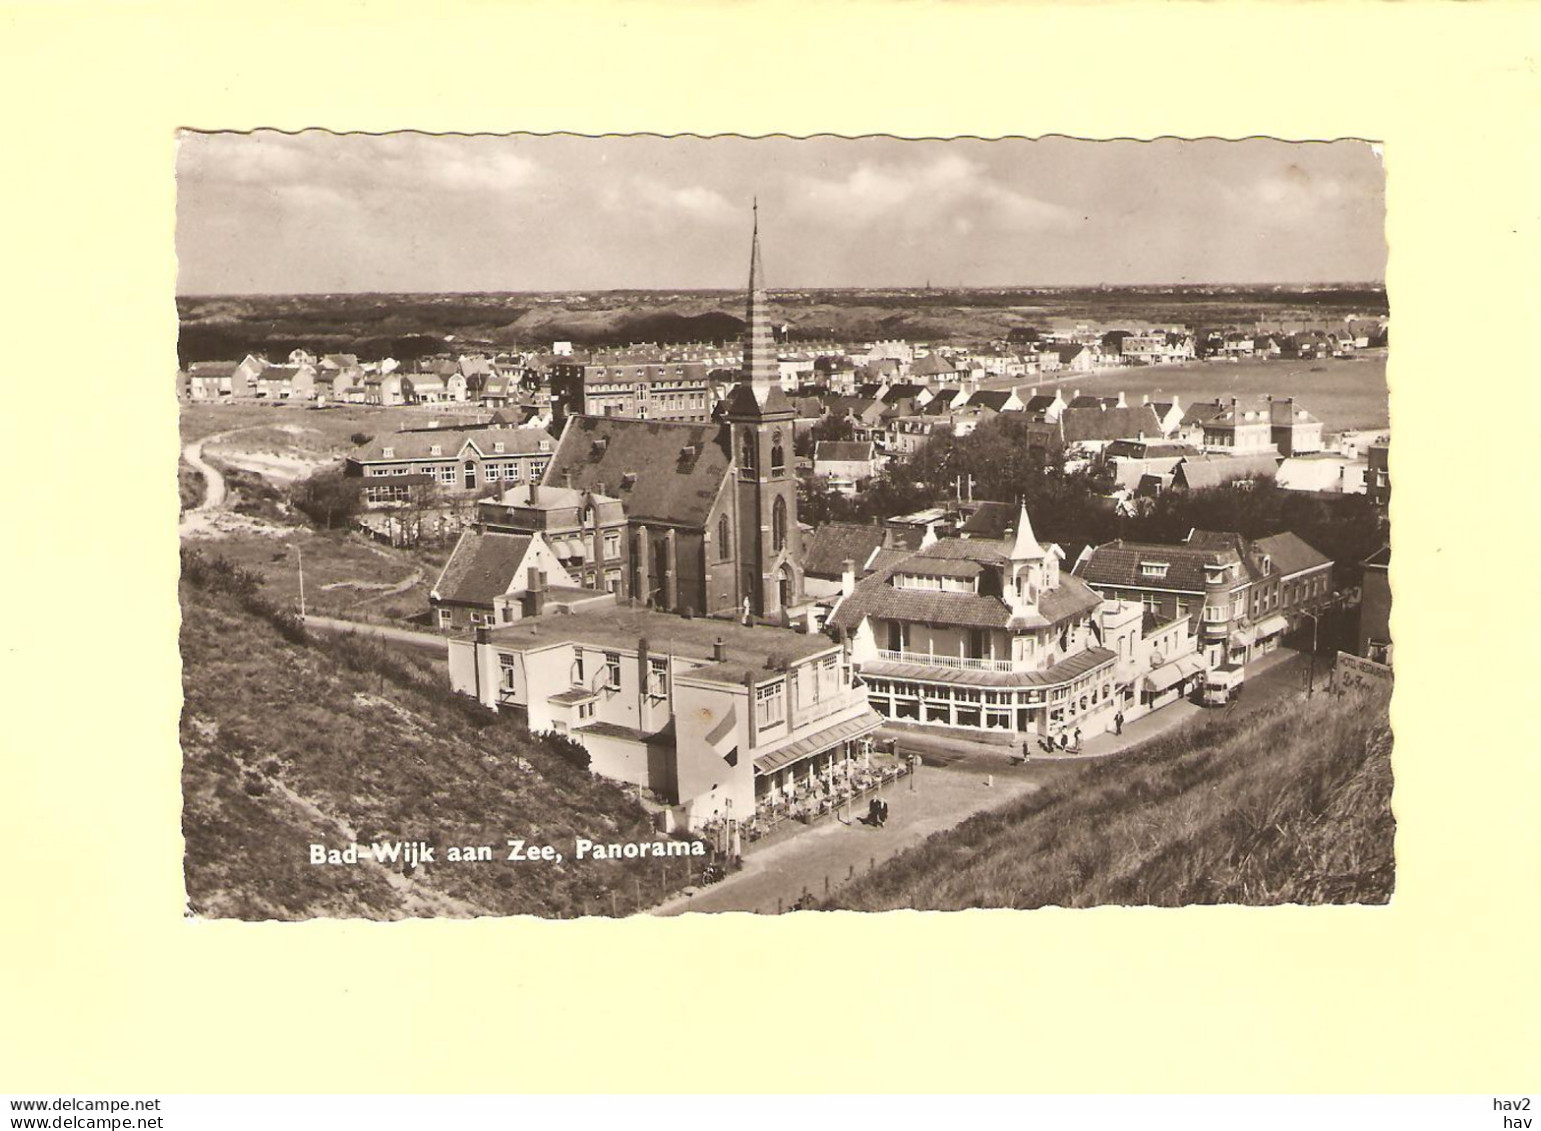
x: 1287, y: 805
x: 291, y: 738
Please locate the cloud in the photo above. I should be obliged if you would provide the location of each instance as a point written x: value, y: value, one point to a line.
x: 949, y: 187
x: 355, y: 165
x: 648, y: 197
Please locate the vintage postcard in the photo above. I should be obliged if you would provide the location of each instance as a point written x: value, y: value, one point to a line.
x: 599, y: 526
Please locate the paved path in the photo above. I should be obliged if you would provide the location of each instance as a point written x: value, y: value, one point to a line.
x: 213, y: 485
x: 941, y: 799
x: 427, y: 641
x: 1275, y: 676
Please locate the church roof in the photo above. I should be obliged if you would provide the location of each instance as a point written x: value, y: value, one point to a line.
x: 663, y: 471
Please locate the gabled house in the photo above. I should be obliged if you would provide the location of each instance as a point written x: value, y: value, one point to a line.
x: 496, y: 578
x: 847, y: 464
x: 1294, y: 430
x: 993, y: 401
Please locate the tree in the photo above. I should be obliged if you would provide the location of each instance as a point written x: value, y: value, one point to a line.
x: 329, y: 498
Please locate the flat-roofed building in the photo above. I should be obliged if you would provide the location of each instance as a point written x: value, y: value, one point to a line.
x: 720, y: 721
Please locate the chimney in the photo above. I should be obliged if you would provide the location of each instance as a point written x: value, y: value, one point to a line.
x: 1121, y: 402
x: 483, y: 634
x: 847, y: 577
x: 719, y: 651
x: 534, y: 493
x: 1144, y: 398
x: 1075, y: 396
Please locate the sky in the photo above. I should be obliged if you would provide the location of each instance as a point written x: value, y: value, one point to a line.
x: 272, y: 213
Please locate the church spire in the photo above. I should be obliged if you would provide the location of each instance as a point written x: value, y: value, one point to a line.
x: 762, y: 368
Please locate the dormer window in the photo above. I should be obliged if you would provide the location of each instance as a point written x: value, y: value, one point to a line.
x: 545, y: 445
x: 436, y: 450
x: 497, y: 447
x: 1155, y: 571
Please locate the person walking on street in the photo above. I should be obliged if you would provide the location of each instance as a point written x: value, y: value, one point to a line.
x: 1118, y: 723
x: 1078, y: 738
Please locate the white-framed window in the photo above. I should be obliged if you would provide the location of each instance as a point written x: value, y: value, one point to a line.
x: 770, y: 703
x: 1153, y: 569
x: 613, y: 671
x: 506, y: 666
x: 446, y: 618
x: 1151, y: 602
x: 657, y: 678
x: 377, y: 471
x: 400, y: 470
x: 446, y: 475
x: 612, y: 545
x: 578, y: 665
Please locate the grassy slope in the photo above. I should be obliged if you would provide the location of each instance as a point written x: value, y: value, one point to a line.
x: 1288, y: 805
x: 286, y: 744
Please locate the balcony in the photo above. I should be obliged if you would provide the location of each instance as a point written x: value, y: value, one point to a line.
x: 963, y: 663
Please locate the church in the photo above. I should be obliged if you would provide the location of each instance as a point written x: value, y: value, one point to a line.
x: 711, y: 508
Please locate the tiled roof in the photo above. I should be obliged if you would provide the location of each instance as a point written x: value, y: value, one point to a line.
x: 875, y: 597
x: 1118, y: 564
x: 993, y: 399
x: 1199, y: 472
x: 992, y: 520
x: 842, y: 451
x: 420, y: 445
x: 1078, y: 425
x: 834, y: 542
x: 663, y: 471
x: 1070, y: 598
x: 1290, y: 412
x: 981, y: 550
x: 212, y: 368
x: 1291, y: 553
x: 481, y: 567
x: 933, y: 365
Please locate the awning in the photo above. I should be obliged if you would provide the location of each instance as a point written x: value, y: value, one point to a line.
x: 1171, y: 674
x: 817, y: 743
x: 1244, y: 638
x: 1272, y: 627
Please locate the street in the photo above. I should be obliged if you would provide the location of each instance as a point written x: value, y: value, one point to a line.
x: 960, y: 778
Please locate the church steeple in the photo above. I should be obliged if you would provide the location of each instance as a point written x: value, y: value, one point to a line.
x: 760, y: 427
x: 761, y: 366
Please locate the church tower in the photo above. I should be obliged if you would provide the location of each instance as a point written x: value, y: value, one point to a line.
x: 760, y: 417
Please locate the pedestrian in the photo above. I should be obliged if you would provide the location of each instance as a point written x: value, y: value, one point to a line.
x: 1078, y: 738
x: 1027, y: 751
x: 1064, y: 740
x: 882, y: 813
x: 1118, y: 723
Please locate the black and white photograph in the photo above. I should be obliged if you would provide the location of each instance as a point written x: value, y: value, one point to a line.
x: 599, y: 526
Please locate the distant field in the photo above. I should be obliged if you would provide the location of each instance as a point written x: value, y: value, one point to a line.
x: 1344, y: 394
x: 333, y: 427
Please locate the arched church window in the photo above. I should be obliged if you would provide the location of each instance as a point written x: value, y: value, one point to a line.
x: 778, y: 455
x: 746, y: 458
x: 779, y: 525
x: 723, y: 539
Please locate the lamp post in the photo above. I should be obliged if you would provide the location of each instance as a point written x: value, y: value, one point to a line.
x: 1316, y: 616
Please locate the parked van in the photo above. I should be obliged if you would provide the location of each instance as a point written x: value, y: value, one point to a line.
x: 1221, y: 686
